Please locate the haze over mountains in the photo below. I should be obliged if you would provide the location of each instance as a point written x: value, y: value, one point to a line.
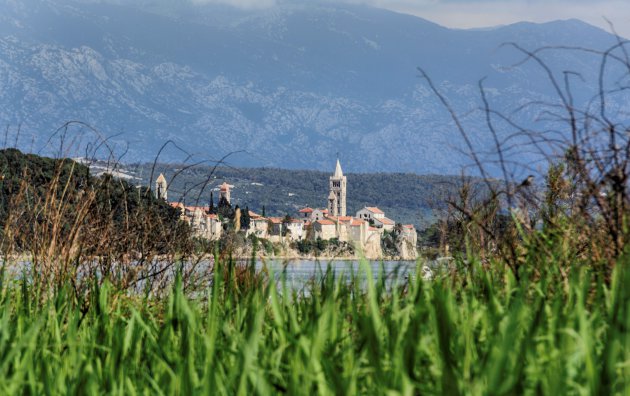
x: 291, y: 85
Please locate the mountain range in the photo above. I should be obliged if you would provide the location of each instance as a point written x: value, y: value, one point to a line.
x: 291, y: 86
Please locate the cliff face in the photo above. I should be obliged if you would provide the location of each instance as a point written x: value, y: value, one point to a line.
x: 406, y: 249
x: 373, y: 249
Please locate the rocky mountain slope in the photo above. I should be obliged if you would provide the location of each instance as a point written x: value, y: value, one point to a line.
x: 288, y: 86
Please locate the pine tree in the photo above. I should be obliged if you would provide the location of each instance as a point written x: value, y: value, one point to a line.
x: 225, y: 209
x: 245, y: 219
x: 285, y: 225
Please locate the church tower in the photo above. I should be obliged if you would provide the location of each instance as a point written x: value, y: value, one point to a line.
x: 224, y: 192
x: 161, y: 188
x: 337, y: 196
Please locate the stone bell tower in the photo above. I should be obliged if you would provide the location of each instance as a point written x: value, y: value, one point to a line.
x: 161, y: 188
x: 337, y: 196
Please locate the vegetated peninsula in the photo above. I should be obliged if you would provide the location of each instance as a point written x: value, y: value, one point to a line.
x: 327, y: 231
x: 55, y: 207
x: 96, y: 205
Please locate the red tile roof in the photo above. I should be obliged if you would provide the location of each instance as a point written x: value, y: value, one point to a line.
x: 306, y: 210
x: 408, y: 226
x: 374, y: 209
x: 385, y: 220
x: 325, y: 222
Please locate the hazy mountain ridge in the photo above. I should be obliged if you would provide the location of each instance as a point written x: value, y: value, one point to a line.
x: 291, y: 85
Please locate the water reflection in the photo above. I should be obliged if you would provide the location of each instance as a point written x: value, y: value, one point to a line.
x: 301, y: 275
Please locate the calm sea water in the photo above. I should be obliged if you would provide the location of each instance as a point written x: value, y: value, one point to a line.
x: 301, y: 274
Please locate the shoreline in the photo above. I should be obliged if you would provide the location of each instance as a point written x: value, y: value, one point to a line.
x: 23, y: 258
x: 322, y: 258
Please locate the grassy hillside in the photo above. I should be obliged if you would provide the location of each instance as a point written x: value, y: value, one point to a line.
x: 57, y: 204
x: 405, y: 198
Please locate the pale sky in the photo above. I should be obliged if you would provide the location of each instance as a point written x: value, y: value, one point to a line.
x: 483, y: 13
x: 486, y: 13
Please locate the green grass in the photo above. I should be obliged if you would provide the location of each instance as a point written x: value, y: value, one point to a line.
x: 479, y: 333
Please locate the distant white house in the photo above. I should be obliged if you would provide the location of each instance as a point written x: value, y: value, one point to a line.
x: 370, y: 213
x: 319, y: 214
x: 258, y: 225
x: 324, y: 229
x: 295, y: 229
x: 203, y: 225
x: 305, y: 214
x: 275, y: 227
x: 212, y: 227
x: 384, y: 223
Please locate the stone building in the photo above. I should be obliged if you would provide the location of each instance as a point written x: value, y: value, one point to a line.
x: 376, y: 217
x: 319, y: 214
x: 337, y: 196
x: 161, y: 188
x: 203, y: 225
x: 324, y: 229
x: 305, y: 214
x: 210, y: 227
x: 258, y: 225
x: 224, y: 192
x: 274, y: 229
x: 370, y: 213
x: 295, y: 229
x: 384, y: 223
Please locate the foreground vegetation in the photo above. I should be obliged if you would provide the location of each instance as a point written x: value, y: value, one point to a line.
x: 475, y: 333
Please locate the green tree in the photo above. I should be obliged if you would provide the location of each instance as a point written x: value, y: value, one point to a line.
x: 285, y: 225
x: 245, y: 219
x: 225, y: 209
x: 211, y: 208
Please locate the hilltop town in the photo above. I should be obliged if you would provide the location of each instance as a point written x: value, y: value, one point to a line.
x: 363, y: 232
